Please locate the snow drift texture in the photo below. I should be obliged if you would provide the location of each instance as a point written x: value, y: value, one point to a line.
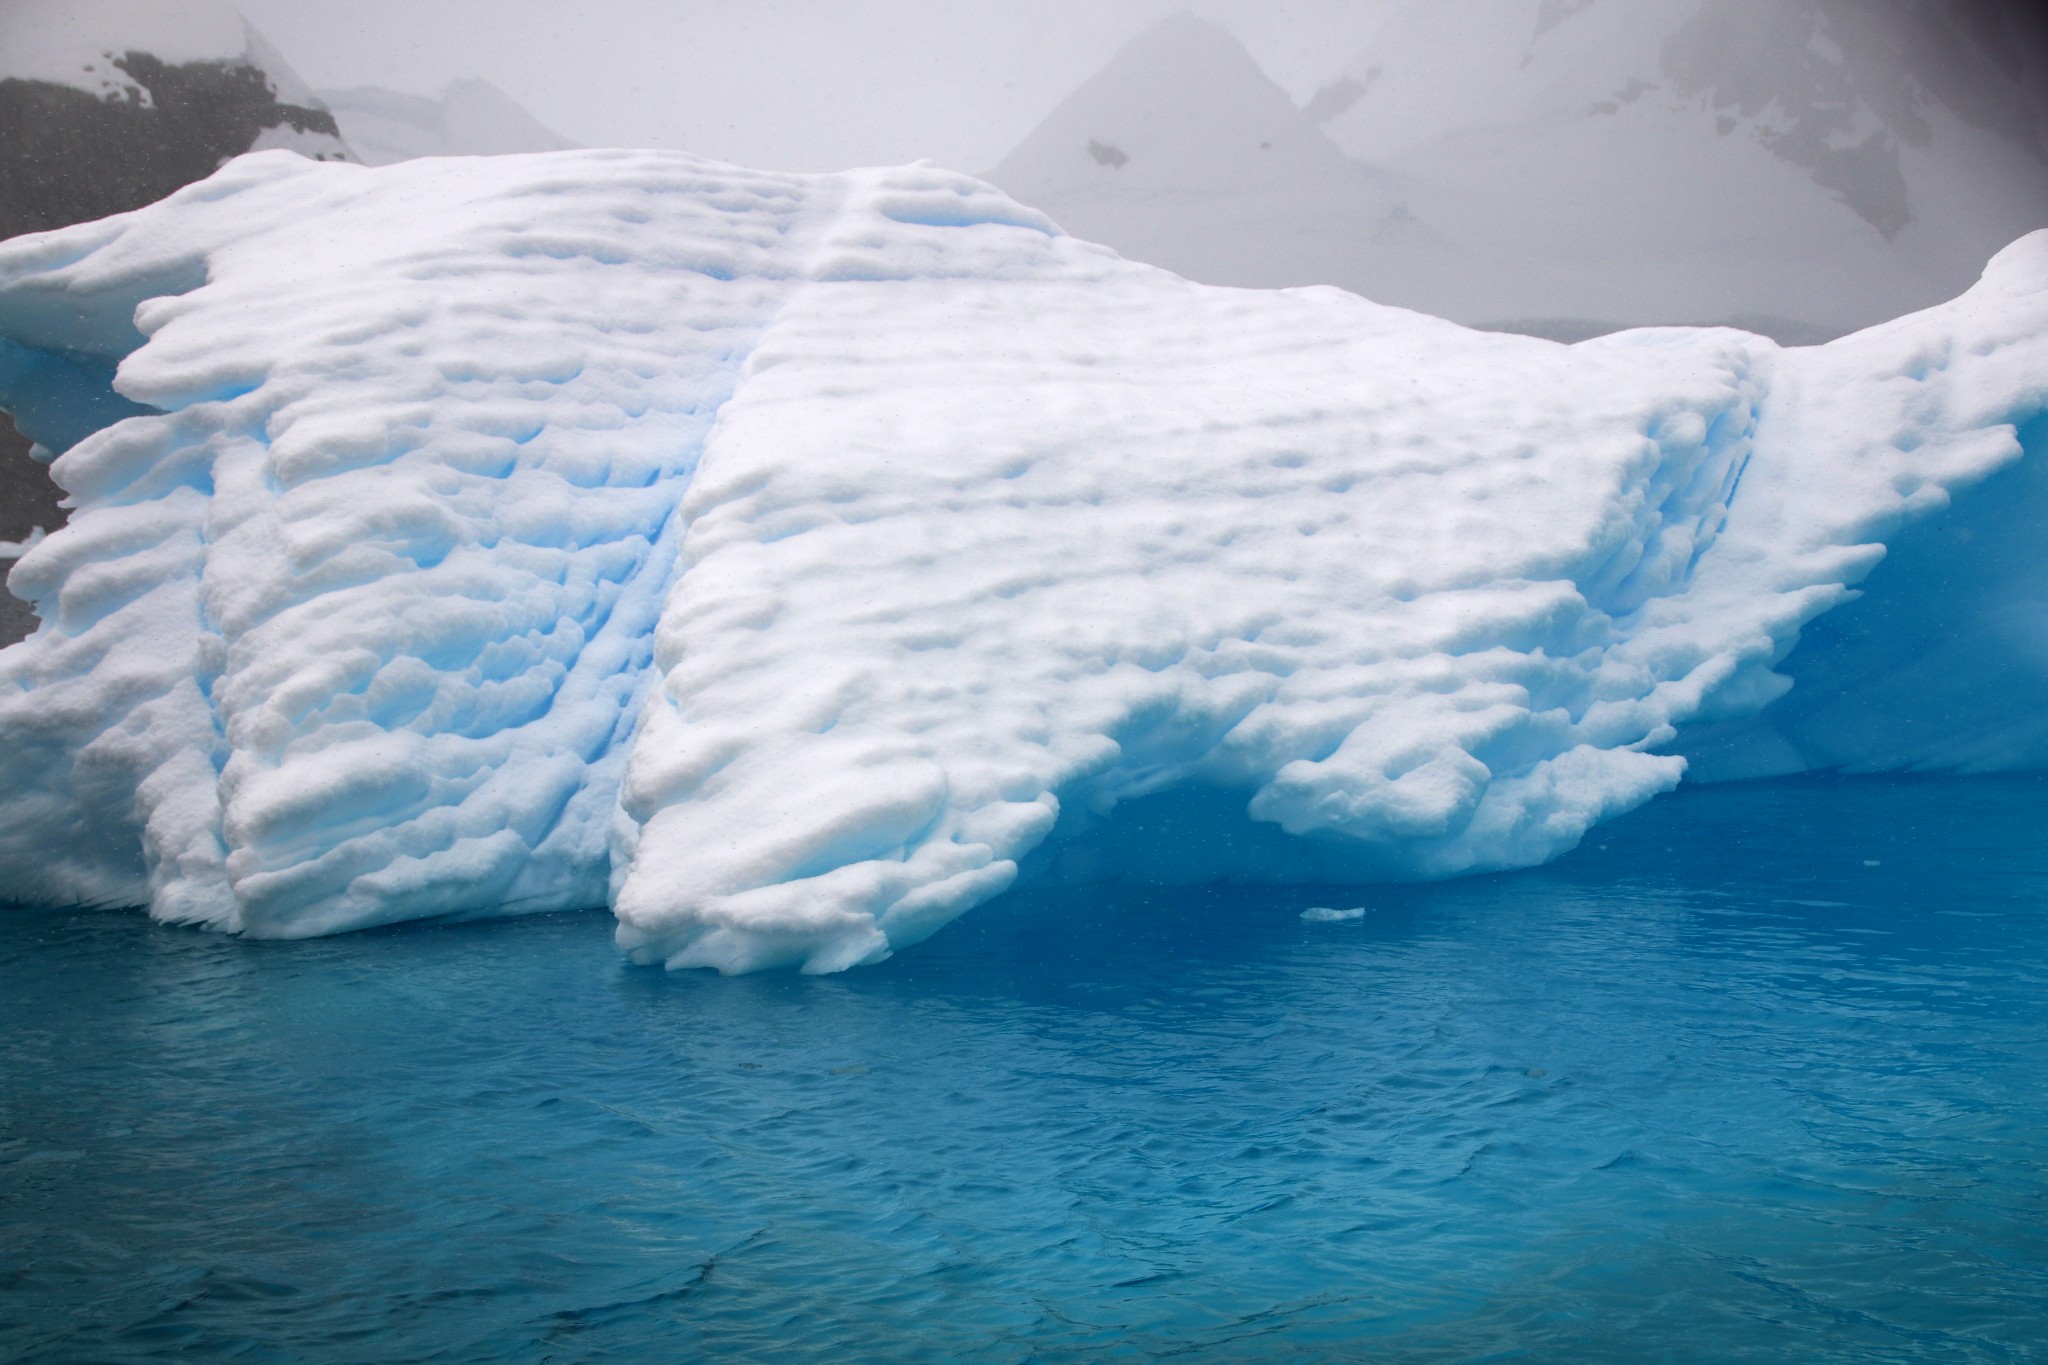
x: 781, y: 559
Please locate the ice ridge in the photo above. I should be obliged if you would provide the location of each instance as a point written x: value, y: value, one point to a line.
x: 781, y: 559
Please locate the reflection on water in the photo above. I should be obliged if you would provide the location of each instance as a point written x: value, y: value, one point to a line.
x: 1760, y: 1073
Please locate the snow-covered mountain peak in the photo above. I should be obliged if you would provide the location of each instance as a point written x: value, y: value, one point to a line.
x: 1449, y: 67
x: 108, y: 104
x: 1182, y: 106
x: 114, y: 49
x: 470, y: 118
x: 77, y: 42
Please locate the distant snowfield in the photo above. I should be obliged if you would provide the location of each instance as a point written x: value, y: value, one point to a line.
x: 1804, y: 168
x: 781, y: 560
x: 469, y: 118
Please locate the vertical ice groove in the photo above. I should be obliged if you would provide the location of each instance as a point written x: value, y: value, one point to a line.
x: 432, y: 557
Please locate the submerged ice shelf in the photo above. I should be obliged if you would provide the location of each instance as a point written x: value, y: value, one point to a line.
x: 780, y: 559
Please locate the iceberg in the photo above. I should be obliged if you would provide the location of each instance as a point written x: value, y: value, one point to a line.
x: 784, y: 560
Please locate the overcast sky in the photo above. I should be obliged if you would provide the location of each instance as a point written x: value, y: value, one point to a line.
x: 785, y: 84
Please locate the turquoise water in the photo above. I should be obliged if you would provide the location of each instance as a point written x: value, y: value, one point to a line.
x: 1759, y: 1074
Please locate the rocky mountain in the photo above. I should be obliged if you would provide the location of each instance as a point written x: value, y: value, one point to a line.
x: 107, y: 105
x: 1181, y: 152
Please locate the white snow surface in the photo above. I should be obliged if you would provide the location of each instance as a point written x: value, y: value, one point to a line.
x: 781, y: 559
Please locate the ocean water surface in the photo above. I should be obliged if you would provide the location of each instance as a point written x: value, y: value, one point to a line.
x: 1760, y: 1073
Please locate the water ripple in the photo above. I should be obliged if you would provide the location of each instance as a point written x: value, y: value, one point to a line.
x: 1712, y: 1089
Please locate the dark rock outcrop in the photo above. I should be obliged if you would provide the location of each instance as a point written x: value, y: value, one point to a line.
x: 28, y: 499
x: 68, y: 157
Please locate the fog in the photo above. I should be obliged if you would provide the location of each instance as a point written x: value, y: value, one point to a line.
x: 1801, y: 168
x: 787, y: 84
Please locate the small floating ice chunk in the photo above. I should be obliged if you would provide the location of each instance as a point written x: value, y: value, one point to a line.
x: 1323, y: 914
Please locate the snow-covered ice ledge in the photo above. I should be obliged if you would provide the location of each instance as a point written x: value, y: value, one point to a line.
x: 782, y: 558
